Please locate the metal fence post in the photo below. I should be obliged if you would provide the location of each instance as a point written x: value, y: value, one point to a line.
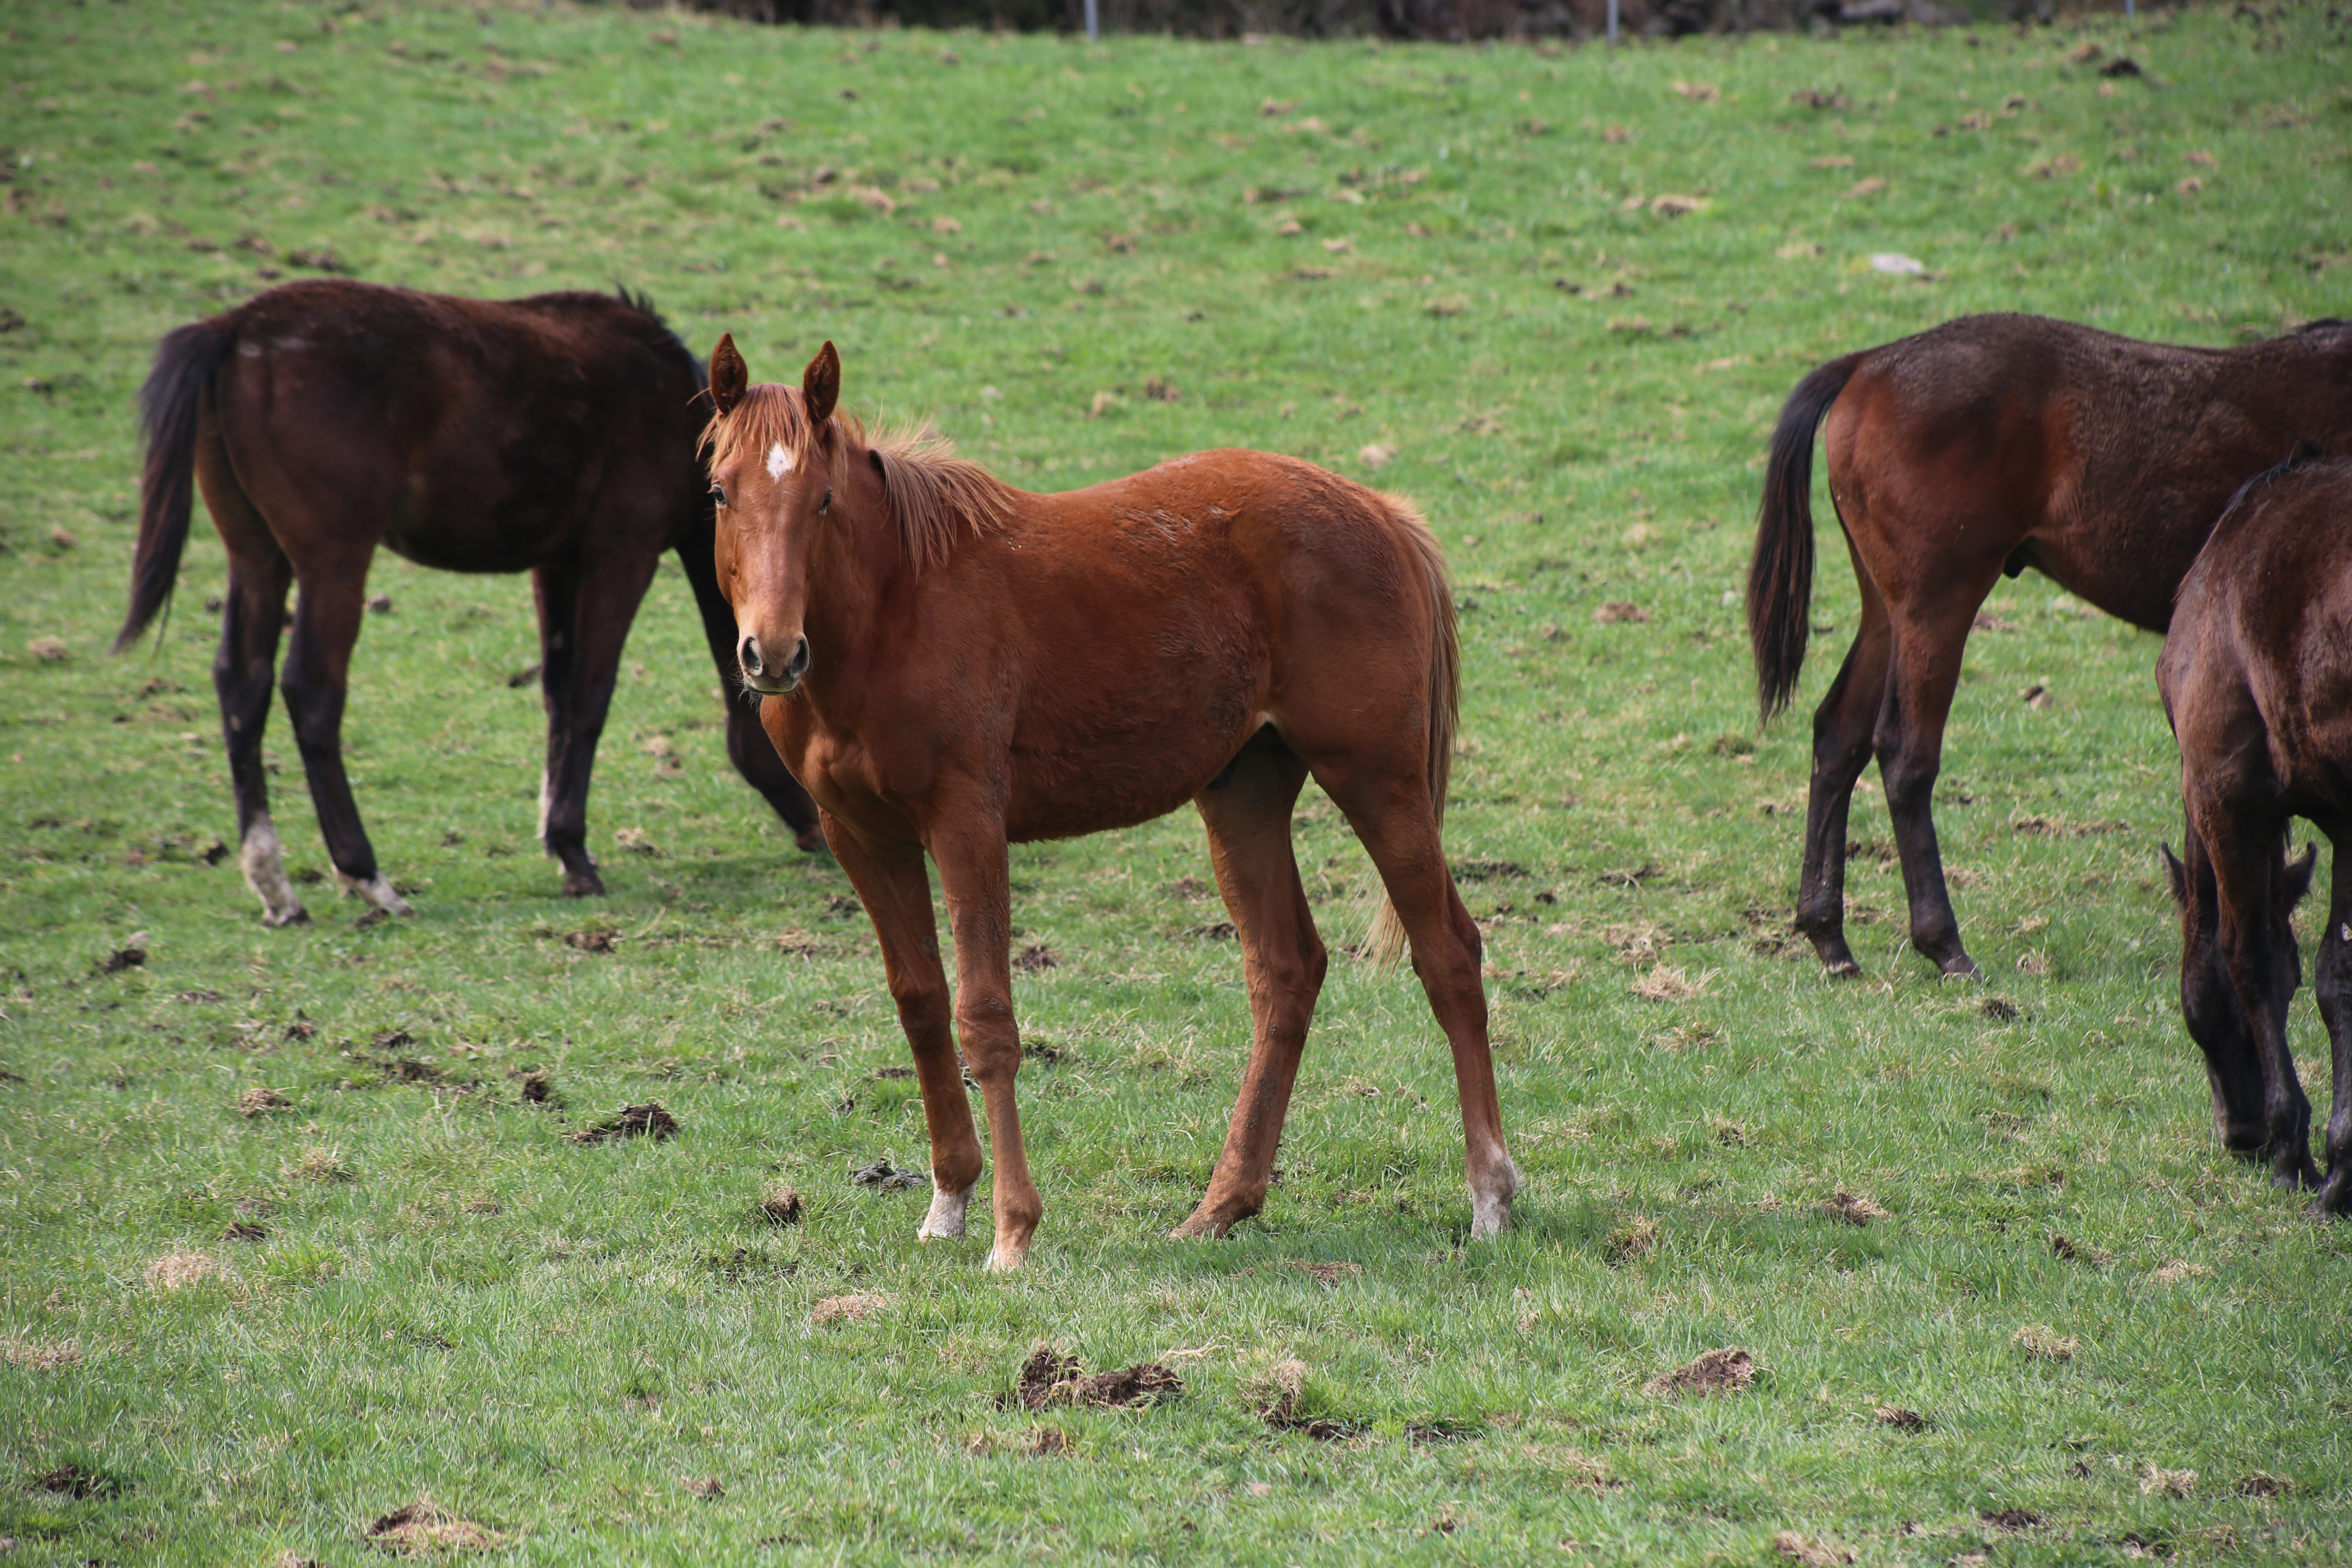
x: 1094, y: 20
x: 1612, y: 20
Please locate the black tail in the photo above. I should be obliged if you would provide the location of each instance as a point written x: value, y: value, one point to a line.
x: 186, y: 364
x: 1781, y: 574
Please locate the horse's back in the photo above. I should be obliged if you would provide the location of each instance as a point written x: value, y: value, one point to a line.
x: 469, y: 434
x: 2256, y: 672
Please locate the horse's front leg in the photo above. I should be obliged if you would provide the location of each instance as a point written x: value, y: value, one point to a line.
x: 585, y: 613
x: 969, y: 849
x: 315, y: 679
x: 897, y: 892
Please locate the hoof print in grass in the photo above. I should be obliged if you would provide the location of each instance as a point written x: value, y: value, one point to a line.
x: 424, y: 1529
x: 1049, y: 1379
x: 538, y: 1087
x: 256, y: 1102
x: 1814, y: 1552
x: 1901, y: 1418
x: 782, y: 1207
x: 1717, y: 1371
x: 883, y: 1179
x: 74, y: 1481
x: 647, y: 1121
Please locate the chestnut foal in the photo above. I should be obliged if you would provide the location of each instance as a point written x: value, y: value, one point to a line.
x: 2257, y: 681
x: 951, y: 665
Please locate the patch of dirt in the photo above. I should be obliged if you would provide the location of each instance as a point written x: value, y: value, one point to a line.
x: 2045, y: 1343
x: 1278, y: 1393
x: 245, y: 1230
x: 1852, y: 1208
x: 2080, y: 1252
x: 647, y: 1121
x: 538, y: 1086
x: 1327, y: 1274
x: 2262, y: 1483
x: 179, y: 1270
x: 73, y: 1482
x: 635, y: 841
x: 42, y: 1358
x: 1487, y: 870
x: 1221, y: 931
x: 1814, y: 1552
x: 1902, y: 1418
x: 782, y: 1207
x: 1035, y: 958
x: 423, y: 1528
x: 1049, y: 1442
x: 853, y: 1308
x: 1663, y: 983
x: 2157, y: 1481
x: 2173, y: 1272
x: 894, y: 1072
x: 883, y: 1179
x: 2059, y: 828
x: 1636, y: 1239
x: 1189, y: 888
x: 1049, y: 1378
x: 1715, y: 1372
x: 2000, y: 1010
x: 2013, y: 1520
x: 1427, y: 1434
x: 1621, y: 611
x: 597, y: 938
x: 799, y: 943
x: 707, y: 1487
x: 256, y: 1102
x: 120, y: 959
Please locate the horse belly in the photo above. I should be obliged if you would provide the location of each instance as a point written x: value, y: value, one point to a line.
x: 1117, y: 776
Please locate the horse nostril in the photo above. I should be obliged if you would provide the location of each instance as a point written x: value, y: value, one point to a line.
x: 749, y: 655
x: 799, y: 664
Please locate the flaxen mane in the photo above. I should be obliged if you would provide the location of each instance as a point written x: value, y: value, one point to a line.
x: 933, y: 493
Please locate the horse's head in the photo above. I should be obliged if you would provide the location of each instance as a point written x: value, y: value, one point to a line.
x: 776, y: 456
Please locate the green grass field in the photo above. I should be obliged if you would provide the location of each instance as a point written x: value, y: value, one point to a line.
x: 1557, y: 298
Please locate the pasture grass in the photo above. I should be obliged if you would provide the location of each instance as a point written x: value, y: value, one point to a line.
x: 1485, y: 302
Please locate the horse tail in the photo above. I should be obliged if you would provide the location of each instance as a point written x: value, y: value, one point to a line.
x: 1386, y: 940
x: 185, y: 365
x: 1781, y: 574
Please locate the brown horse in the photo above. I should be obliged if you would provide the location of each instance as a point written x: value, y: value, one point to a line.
x: 553, y: 435
x: 2257, y: 681
x: 1986, y: 446
x: 951, y: 665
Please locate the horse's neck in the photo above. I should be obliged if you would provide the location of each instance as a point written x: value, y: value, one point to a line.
x: 847, y: 575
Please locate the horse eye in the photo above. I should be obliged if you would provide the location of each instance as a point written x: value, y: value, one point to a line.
x: 827, y: 504
x: 718, y: 492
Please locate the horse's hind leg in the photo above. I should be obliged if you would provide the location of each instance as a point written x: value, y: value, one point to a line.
x: 1841, y: 728
x: 1393, y: 816
x: 583, y: 622
x: 1923, y: 672
x: 316, y: 681
x: 2332, y: 982
x: 253, y: 617
x: 1283, y: 961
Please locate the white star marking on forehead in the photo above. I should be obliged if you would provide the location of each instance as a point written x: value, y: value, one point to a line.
x: 780, y: 462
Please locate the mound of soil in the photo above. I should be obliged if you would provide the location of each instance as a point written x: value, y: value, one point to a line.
x: 1049, y: 1379
x: 73, y: 1482
x: 1717, y: 1371
x: 782, y: 1207
x: 883, y: 1179
x: 647, y: 1121
x: 423, y: 1528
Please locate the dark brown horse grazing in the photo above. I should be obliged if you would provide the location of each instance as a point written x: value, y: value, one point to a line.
x: 1984, y: 447
x: 2257, y: 681
x: 952, y: 664
x: 553, y: 435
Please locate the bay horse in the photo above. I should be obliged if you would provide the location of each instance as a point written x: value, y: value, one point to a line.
x: 951, y: 665
x: 553, y: 435
x: 2257, y: 683
x: 1977, y: 448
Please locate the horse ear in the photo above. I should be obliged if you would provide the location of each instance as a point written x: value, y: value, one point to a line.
x: 729, y: 376
x: 2294, y: 878
x: 2177, y: 874
x: 821, y: 385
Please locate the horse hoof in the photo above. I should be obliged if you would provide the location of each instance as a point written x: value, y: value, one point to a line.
x: 1963, y: 968
x: 1200, y: 1228
x: 583, y: 884
x: 811, y: 840
x: 275, y: 921
x: 1003, y: 1260
x: 1841, y: 969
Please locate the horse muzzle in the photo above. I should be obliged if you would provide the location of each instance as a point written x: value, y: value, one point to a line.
x: 763, y: 672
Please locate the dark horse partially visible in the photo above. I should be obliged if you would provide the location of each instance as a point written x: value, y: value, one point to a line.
x: 554, y: 434
x: 2257, y: 681
x: 1986, y: 446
